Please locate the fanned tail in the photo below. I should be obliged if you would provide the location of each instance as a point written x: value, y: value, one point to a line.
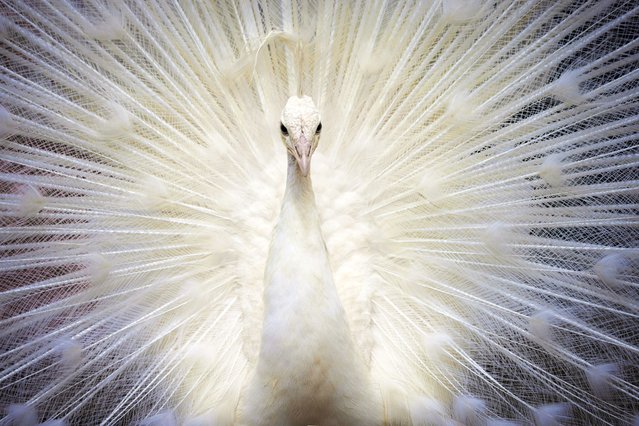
x: 476, y: 179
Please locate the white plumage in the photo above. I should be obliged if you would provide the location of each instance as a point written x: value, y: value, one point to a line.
x: 469, y: 256
x: 308, y: 371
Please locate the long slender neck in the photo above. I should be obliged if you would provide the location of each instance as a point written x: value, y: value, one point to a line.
x: 308, y: 371
x: 297, y: 259
x: 299, y: 212
x: 299, y: 189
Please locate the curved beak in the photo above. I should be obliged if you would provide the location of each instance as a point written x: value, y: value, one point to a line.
x: 303, y: 154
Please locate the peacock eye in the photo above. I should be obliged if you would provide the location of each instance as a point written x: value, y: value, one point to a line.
x: 283, y: 129
x: 319, y: 129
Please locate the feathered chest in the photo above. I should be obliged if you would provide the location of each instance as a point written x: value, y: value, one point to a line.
x: 304, y: 331
x: 299, y: 291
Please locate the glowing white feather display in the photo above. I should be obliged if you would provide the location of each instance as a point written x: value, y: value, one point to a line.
x: 475, y: 186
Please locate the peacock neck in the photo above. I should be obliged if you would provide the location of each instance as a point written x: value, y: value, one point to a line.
x: 297, y: 239
x: 298, y: 274
x: 299, y: 188
x: 307, y: 364
x: 299, y: 213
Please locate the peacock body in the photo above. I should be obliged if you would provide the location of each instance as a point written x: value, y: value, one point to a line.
x: 308, y: 371
x: 469, y: 257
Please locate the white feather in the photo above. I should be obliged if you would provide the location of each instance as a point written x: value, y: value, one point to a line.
x: 550, y: 170
x: 475, y: 188
x: 427, y: 411
x: 502, y: 422
x: 21, y: 415
x: 610, y: 268
x: 567, y: 87
x: 6, y: 120
x: 540, y: 325
x: 70, y: 352
x: 468, y: 410
x: 165, y: 418
x: 30, y: 203
x: 4, y: 29
x: 53, y: 423
x: 599, y: 377
x: 461, y: 11
x: 552, y: 414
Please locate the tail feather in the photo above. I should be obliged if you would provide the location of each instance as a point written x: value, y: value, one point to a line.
x: 476, y: 179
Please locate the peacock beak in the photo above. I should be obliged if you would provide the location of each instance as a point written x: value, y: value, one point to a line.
x: 303, y: 154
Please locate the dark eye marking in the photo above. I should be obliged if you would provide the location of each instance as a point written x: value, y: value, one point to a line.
x: 319, y: 129
x: 283, y: 129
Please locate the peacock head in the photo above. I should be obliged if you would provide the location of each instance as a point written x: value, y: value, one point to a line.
x: 300, y: 126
